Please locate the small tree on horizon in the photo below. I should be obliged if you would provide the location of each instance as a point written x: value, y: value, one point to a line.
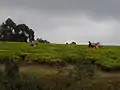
x: 42, y: 41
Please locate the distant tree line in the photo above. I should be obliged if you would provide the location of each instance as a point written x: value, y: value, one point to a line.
x: 10, y: 31
x: 72, y: 43
x: 42, y: 41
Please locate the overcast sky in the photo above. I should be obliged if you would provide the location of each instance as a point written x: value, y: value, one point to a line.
x: 67, y: 20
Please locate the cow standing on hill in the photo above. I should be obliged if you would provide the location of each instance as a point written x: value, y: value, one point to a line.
x: 34, y: 43
x: 96, y: 45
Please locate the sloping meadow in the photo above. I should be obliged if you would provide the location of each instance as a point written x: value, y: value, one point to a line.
x: 107, y: 57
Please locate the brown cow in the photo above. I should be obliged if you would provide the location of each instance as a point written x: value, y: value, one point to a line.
x: 94, y: 45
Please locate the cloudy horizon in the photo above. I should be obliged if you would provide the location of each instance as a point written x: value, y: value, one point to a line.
x: 61, y: 21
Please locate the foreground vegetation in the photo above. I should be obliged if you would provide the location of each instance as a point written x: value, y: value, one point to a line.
x: 81, y: 77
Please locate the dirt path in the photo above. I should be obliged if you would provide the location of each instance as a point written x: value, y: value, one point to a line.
x: 103, y: 74
x: 47, y: 70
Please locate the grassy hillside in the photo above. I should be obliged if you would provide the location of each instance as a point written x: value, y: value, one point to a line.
x: 108, y: 56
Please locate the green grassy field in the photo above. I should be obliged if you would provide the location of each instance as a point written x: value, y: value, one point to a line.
x: 108, y: 56
x: 58, y: 78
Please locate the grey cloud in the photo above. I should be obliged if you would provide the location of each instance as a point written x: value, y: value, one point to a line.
x: 99, y: 7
